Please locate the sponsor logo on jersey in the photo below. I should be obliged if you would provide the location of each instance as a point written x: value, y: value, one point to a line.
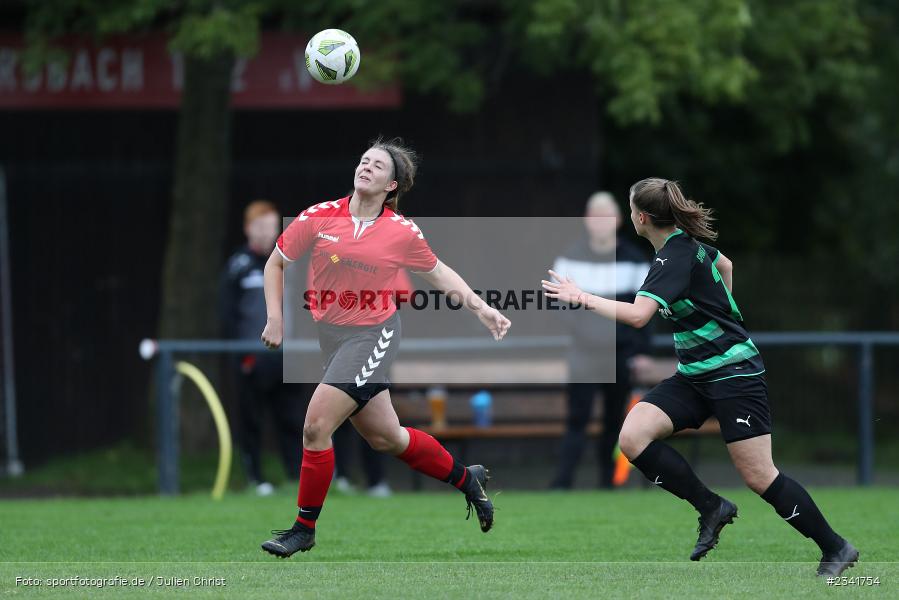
x: 357, y: 264
x: 335, y: 259
x: 661, y: 260
x: 330, y: 238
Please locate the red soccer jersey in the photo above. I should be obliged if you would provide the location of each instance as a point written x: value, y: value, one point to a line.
x: 354, y: 263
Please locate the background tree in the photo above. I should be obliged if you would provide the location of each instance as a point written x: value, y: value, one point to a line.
x: 211, y: 34
x: 764, y: 108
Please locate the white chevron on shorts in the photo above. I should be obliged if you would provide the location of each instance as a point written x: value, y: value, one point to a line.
x: 373, y: 364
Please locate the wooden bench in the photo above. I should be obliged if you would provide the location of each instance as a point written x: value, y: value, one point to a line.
x: 545, y: 429
x: 462, y: 435
x: 519, y: 413
x: 535, y: 406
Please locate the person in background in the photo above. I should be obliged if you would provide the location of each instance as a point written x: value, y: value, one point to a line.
x: 603, y: 264
x: 259, y: 376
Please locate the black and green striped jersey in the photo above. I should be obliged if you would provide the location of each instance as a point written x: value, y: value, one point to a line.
x: 710, y: 338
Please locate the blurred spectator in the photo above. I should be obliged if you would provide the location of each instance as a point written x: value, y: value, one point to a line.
x: 601, y: 264
x: 259, y: 376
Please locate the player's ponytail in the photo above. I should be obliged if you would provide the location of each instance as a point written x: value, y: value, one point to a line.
x: 666, y: 204
x: 405, y: 163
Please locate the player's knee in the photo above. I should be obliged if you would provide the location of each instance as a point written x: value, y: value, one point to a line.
x: 383, y: 443
x: 632, y: 442
x: 758, y: 478
x: 312, y: 433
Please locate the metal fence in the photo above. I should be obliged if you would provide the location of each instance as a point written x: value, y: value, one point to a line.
x: 164, y: 352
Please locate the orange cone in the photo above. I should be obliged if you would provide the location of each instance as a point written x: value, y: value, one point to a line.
x: 622, y: 464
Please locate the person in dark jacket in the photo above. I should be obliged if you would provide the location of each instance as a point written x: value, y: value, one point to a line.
x: 600, y: 261
x: 259, y: 376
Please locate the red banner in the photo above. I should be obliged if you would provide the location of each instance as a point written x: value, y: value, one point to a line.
x: 140, y: 72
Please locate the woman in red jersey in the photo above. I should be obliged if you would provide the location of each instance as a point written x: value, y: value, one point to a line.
x: 357, y: 244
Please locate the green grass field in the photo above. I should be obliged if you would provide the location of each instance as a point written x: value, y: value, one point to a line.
x: 545, y: 545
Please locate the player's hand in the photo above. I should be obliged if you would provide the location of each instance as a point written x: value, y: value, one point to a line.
x: 563, y: 288
x: 273, y: 334
x: 494, y: 321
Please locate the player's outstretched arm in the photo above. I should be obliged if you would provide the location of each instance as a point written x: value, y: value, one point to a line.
x: 636, y: 314
x: 273, y: 286
x: 451, y: 283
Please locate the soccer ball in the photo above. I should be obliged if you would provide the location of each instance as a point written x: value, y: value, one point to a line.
x: 332, y: 56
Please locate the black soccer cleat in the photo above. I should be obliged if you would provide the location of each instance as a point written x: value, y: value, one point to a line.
x: 298, y: 538
x: 835, y: 563
x: 710, y: 526
x: 476, y: 495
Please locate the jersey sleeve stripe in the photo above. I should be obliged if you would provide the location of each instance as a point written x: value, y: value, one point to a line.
x: 431, y: 271
x: 654, y: 297
x: 281, y: 252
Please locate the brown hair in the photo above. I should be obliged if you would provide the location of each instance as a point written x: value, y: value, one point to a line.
x: 256, y: 209
x: 666, y: 204
x: 405, y: 164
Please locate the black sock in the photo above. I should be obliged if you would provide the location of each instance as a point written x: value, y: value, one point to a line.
x: 458, y: 475
x: 797, y: 508
x: 307, y: 516
x: 663, y: 466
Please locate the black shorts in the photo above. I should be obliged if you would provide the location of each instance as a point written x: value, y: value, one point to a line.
x: 357, y: 360
x: 739, y: 403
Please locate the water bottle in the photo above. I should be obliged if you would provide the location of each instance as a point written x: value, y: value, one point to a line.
x: 482, y: 406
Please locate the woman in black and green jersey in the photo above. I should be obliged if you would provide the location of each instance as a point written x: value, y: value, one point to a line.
x: 720, y: 372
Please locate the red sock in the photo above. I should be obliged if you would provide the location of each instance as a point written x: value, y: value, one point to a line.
x: 315, y: 479
x: 426, y: 455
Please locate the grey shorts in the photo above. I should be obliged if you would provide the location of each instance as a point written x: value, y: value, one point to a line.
x: 357, y: 360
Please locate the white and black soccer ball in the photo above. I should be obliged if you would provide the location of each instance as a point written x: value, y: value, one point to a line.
x: 332, y: 56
